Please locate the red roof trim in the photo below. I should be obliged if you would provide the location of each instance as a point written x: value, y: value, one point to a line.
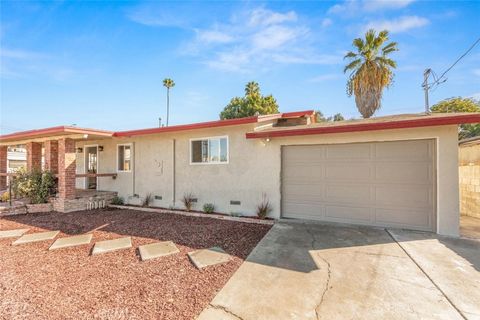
x: 398, y: 124
x: 182, y: 127
x: 211, y: 124
x: 53, y: 130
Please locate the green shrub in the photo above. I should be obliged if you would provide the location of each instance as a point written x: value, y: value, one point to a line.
x: 117, y: 201
x: 5, y: 196
x: 188, y: 200
x: 264, y: 208
x: 35, y: 185
x: 208, y: 207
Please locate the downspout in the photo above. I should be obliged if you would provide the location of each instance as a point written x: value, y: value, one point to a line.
x: 173, y: 173
x: 134, y: 167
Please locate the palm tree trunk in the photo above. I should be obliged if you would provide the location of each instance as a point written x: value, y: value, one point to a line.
x: 168, y: 103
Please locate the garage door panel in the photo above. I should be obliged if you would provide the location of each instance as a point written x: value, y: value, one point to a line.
x: 404, y: 150
x: 420, y: 173
x: 348, y: 171
x: 303, y: 211
x: 304, y: 154
x: 304, y: 192
x: 302, y: 172
x: 378, y: 183
x: 358, y: 214
x: 404, y: 196
x: 420, y: 219
x: 348, y: 151
x: 348, y: 194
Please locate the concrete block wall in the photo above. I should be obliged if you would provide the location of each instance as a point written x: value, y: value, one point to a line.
x: 469, y: 175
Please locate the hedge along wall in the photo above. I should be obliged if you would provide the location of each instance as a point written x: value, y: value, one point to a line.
x: 469, y: 174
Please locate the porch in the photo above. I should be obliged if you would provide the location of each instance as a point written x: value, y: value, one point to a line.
x: 54, y: 150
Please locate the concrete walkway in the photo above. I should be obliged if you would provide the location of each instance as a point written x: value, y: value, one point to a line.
x: 314, y: 271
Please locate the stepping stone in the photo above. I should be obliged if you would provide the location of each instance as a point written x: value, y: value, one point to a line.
x: 12, y: 233
x: 112, y: 245
x: 208, y: 257
x: 158, y: 249
x: 71, y: 241
x: 35, y: 237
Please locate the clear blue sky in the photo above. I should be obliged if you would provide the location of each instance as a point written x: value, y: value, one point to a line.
x: 101, y: 64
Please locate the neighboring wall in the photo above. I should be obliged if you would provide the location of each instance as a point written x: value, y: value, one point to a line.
x: 254, y: 168
x: 469, y: 174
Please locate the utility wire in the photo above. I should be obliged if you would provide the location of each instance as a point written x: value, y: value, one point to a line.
x: 439, y: 80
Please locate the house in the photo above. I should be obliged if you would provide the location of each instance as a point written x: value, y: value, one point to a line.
x: 395, y: 171
x: 469, y: 171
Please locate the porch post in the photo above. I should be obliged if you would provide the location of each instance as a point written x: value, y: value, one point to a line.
x: 3, y: 166
x: 51, y: 156
x: 34, y: 156
x: 66, y: 168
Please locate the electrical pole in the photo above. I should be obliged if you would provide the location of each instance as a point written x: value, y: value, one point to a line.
x: 425, y: 86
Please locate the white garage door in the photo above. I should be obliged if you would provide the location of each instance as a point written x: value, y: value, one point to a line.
x: 378, y: 183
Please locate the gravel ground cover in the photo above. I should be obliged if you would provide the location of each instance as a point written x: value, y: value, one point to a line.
x: 70, y: 283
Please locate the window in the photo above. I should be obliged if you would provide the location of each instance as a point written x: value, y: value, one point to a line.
x: 209, y: 150
x: 124, y: 156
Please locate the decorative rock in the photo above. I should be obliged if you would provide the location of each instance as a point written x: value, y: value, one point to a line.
x: 112, y: 245
x: 71, y: 241
x: 208, y: 257
x: 12, y: 233
x: 158, y: 249
x: 35, y: 237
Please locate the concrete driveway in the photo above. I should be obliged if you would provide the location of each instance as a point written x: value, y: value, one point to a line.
x: 315, y: 271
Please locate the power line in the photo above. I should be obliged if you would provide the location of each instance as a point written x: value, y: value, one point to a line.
x: 440, y: 80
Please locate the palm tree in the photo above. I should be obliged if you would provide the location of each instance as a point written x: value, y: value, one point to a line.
x: 168, y: 83
x: 371, y: 70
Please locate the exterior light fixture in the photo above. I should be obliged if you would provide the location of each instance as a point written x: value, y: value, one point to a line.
x: 79, y: 150
x: 100, y: 148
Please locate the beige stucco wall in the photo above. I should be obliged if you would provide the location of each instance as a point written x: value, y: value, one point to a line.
x: 254, y: 168
x: 469, y: 174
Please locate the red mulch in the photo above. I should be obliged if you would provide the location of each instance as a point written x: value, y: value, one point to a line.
x: 71, y: 284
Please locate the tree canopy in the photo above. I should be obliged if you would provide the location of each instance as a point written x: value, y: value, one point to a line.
x: 321, y: 118
x: 252, y: 103
x: 370, y: 70
x: 459, y: 104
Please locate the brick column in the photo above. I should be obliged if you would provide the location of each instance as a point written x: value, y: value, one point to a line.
x: 3, y: 166
x: 51, y: 156
x: 66, y: 168
x: 34, y: 156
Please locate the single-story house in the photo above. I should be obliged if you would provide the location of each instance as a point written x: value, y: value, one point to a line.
x: 394, y: 171
x: 469, y: 171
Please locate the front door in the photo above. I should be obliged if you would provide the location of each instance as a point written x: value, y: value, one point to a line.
x: 91, y: 166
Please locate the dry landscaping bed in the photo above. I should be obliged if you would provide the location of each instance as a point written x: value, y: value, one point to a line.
x: 70, y: 283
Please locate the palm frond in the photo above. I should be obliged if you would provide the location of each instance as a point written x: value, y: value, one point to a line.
x: 350, y: 54
x: 391, y: 47
x: 352, y: 65
x: 359, y: 44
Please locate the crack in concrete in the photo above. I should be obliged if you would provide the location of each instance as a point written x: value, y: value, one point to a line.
x: 379, y: 254
x: 329, y: 273
x: 224, y: 309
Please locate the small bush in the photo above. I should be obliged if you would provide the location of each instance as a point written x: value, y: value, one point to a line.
x: 35, y: 185
x: 208, y: 207
x: 118, y: 201
x: 188, y: 201
x: 5, y: 196
x: 147, y: 200
x: 264, y: 208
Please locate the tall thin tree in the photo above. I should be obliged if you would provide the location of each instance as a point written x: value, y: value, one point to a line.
x: 168, y: 83
x: 371, y: 70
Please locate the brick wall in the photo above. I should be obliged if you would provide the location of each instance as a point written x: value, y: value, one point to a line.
x: 51, y: 156
x: 469, y: 173
x: 66, y: 168
x: 34, y: 155
x: 3, y: 166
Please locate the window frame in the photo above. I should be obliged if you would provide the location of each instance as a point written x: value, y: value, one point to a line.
x: 131, y: 156
x: 208, y: 139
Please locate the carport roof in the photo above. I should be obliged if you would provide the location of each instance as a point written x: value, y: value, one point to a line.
x: 54, y: 132
x: 379, y: 123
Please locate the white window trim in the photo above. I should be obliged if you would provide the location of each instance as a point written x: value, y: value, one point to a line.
x: 131, y: 156
x: 210, y: 163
